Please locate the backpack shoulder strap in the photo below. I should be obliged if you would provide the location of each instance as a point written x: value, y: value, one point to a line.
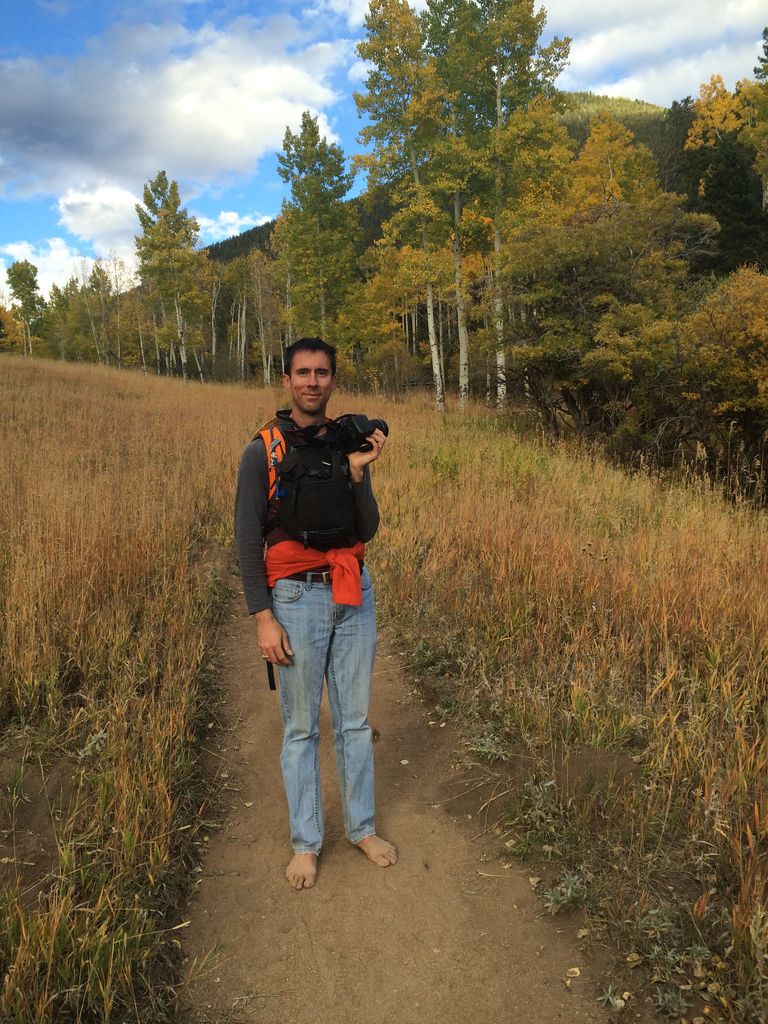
x: 274, y: 445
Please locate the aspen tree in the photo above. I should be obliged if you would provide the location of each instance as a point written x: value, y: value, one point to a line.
x: 504, y: 70
x: 402, y: 105
x: 11, y: 331
x: 237, y: 281
x: 119, y: 280
x: 168, y: 263
x: 445, y: 23
x: 280, y: 247
x: 743, y: 113
x: 717, y: 114
x: 753, y: 97
x: 22, y: 280
x: 263, y: 288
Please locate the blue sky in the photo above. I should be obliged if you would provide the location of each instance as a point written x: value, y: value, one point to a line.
x: 96, y: 97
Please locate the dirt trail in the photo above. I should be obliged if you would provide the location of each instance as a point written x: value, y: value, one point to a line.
x: 447, y: 935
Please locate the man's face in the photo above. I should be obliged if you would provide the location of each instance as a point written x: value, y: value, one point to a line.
x: 310, y: 383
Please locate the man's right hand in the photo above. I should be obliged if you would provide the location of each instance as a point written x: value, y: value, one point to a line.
x: 273, y: 640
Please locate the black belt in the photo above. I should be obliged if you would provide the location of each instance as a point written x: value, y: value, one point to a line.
x: 322, y: 574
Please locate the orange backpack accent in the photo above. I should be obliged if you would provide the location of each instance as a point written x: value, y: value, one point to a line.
x: 274, y: 443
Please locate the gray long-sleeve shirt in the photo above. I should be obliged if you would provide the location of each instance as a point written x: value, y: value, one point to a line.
x: 251, y: 506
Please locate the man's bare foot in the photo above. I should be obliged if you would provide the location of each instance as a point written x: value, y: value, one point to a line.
x: 302, y: 870
x: 378, y: 850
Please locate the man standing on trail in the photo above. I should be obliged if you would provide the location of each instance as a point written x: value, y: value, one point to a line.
x: 313, y: 605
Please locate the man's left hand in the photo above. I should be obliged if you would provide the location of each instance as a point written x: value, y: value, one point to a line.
x: 359, y: 460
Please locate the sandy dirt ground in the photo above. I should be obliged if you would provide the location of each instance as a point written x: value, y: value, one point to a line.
x: 447, y: 935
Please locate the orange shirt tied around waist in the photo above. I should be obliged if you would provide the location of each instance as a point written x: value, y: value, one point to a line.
x: 290, y: 556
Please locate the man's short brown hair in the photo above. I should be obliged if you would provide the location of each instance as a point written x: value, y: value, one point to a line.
x: 309, y: 345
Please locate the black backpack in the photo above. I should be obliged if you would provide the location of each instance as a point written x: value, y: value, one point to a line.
x: 309, y: 488
x: 315, y: 501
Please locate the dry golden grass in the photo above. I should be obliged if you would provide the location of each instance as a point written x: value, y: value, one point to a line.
x: 574, y: 605
x: 556, y: 600
x: 110, y: 484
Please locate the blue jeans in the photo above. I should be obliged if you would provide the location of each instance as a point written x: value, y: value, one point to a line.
x: 337, y: 642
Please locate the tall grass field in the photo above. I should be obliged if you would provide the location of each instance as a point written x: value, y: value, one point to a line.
x: 557, y: 606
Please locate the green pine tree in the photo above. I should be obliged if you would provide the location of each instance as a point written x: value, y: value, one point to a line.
x: 322, y: 227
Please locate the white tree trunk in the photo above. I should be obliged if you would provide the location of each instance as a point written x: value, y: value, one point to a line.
x: 157, y: 346
x: 498, y: 320
x: 91, y: 321
x: 434, y: 351
x: 437, y: 376
x: 259, y: 303
x: 141, y: 349
x: 215, y: 289
x: 181, y: 329
x: 199, y: 365
x: 461, y: 316
x: 243, y: 337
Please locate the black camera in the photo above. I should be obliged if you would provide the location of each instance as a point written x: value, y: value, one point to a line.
x: 352, y: 430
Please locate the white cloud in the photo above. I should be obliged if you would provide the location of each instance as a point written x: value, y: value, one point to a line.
x: 206, y: 105
x: 358, y: 71
x: 583, y: 17
x: 352, y: 11
x: 228, y: 223
x: 104, y: 216
x: 655, y: 51
x: 680, y: 76
x: 55, y: 259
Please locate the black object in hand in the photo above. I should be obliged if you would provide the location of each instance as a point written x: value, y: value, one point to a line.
x: 353, y: 429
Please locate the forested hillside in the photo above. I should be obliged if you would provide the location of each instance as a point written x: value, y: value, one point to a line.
x: 600, y: 261
x: 645, y: 120
x: 240, y: 245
